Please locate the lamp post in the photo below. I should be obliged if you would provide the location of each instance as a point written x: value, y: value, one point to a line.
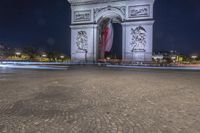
x: 44, y: 55
x: 173, y: 58
x: 62, y: 57
x: 18, y: 54
x: 86, y: 55
x: 194, y: 57
x: 132, y: 56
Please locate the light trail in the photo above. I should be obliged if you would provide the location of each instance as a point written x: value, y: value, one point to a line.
x: 154, y: 67
x: 33, y: 67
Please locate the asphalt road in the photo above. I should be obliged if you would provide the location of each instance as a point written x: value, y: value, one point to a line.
x: 88, y: 99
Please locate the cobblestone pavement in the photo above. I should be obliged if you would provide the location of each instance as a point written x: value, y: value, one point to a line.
x: 99, y: 100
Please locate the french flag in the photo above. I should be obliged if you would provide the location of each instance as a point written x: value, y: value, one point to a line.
x: 107, y: 38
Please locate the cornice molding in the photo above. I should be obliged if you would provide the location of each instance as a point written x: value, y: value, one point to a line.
x: 86, y: 2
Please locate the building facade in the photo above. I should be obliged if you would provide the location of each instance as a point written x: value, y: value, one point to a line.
x: 135, y: 17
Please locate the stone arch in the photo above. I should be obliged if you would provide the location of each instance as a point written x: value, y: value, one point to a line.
x: 115, y: 17
x: 88, y: 14
x: 109, y: 12
x: 102, y: 19
x: 103, y: 14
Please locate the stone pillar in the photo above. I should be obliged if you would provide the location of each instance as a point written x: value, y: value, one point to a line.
x: 124, y: 57
x: 84, y: 42
x: 137, y: 40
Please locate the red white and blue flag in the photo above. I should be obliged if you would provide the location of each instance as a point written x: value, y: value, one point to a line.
x: 107, y: 38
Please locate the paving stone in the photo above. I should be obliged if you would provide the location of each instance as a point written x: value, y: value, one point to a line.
x: 89, y: 99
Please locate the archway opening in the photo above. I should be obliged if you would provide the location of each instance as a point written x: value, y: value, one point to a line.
x: 115, y: 53
x: 117, y: 42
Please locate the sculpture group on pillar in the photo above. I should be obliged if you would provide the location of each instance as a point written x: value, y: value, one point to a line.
x: 82, y: 42
x: 138, y: 42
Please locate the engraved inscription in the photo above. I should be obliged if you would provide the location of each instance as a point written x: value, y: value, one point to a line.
x: 139, y: 11
x: 80, y: 16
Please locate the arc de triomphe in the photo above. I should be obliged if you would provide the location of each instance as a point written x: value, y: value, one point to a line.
x: 135, y: 16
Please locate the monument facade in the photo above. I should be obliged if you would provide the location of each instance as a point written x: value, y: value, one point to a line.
x: 135, y: 16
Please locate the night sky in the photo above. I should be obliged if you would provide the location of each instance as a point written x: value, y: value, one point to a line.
x: 45, y: 24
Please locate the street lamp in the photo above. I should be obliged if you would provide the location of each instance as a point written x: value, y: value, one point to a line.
x: 62, y: 56
x: 194, y: 57
x: 18, y: 53
x: 173, y: 57
x: 44, y: 55
x: 108, y: 58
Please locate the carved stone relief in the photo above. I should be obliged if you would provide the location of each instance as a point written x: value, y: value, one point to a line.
x: 138, y: 41
x: 82, y: 41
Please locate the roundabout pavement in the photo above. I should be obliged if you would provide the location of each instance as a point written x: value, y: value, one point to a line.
x: 89, y: 99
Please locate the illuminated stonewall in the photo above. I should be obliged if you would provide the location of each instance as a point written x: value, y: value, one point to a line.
x: 135, y: 16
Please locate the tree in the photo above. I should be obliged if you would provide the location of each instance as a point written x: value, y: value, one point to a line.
x: 53, y: 56
x: 31, y: 52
